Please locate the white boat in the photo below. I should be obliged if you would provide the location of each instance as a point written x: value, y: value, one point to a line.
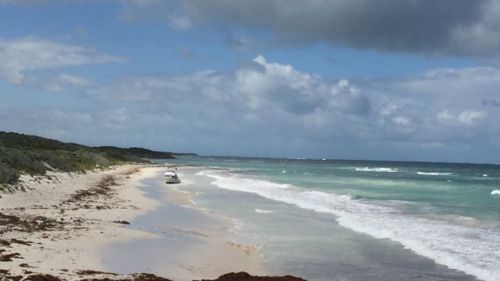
x: 171, y: 177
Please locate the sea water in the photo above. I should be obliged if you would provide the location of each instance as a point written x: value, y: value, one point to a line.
x: 361, y: 220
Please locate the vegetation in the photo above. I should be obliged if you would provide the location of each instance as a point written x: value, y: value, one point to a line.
x: 35, y: 155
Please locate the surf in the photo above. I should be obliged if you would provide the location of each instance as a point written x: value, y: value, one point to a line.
x: 433, y: 174
x: 456, y: 246
x: 377, y: 169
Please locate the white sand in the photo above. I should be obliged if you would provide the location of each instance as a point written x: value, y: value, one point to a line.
x: 195, y: 243
x: 88, y: 226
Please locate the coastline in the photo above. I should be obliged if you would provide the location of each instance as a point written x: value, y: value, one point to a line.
x: 191, y: 243
x: 112, y: 224
x: 302, y: 241
x: 62, y: 222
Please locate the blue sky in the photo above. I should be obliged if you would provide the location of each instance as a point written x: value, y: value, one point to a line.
x: 345, y: 79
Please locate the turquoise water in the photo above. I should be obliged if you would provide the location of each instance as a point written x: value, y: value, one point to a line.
x: 448, y: 213
x: 459, y: 189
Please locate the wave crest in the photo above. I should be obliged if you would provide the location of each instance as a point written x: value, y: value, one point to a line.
x: 460, y: 247
x: 262, y: 211
x: 377, y: 169
x: 433, y: 174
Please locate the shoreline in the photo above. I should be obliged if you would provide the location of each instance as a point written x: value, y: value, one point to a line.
x: 62, y: 222
x: 326, y: 247
x: 191, y: 243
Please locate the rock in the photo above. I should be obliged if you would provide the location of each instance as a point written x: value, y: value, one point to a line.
x: 148, y: 277
x: 41, y: 277
x: 243, y: 276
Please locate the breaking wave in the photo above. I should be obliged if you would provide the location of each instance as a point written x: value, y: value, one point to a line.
x: 379, y: 170
x: 433, y: 174
x: 261, y: 211
x: 461, y: 247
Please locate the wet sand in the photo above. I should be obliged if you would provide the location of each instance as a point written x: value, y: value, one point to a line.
x: 191, y: 243
x: 66, y: 224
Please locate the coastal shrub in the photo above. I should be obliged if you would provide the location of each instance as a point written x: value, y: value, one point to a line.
x: 51, y: 159
x: 27, y: 142
x: 7, y: 174
x: 21, y: 161
x: 35, y: 155
x: 78, y: 160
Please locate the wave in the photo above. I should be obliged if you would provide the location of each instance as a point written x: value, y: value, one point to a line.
x: 459, y: 247
x: 495, y: 192
x: 433, y: 174
x: 380, y: 170
x: 261, y: 211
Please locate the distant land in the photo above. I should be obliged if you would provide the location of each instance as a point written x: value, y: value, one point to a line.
x: 34, y: 155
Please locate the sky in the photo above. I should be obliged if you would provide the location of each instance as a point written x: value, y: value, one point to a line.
x: 339, y: 79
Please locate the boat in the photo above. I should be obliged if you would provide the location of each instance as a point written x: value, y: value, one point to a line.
x: 171, y: 177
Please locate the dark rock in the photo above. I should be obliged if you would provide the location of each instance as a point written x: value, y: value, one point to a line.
x: 41, y: 277
x: 148, y: 277
x: 243, y: 276
x: 9, y: 257
x: 93, y: 272
x: 13, y: 278
x: 21, y: 242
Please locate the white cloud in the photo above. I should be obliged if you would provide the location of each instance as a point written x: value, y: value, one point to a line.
x: 466, y: 117
x: 19, y: 56
x: 276, y: 97
x: 59, y: 82
x: 470, y: 117
x: 73, y: 80
x: 400, y: 120
x: 445, y: 116
x: 275, y: 109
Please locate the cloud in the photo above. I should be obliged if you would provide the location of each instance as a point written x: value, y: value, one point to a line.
x: 488, y: 102
x: 238, y: 43
x: 430, y: 27
x: 462, y: 28
x: 466, y: 117
x: 21, y: 56
x: 59, y: 82
x: 172, y: 11
x: 274, y: 109
x: 436, y: 108
x: 257, y: 87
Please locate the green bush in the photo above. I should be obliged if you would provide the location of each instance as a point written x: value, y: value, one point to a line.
x: 7, y: 174
x: 21, y: 161
x: 35, y: 155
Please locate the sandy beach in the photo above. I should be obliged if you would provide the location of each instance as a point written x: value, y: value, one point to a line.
x: 64, y: 225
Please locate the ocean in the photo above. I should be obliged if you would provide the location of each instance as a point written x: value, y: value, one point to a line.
x: 360, y: 220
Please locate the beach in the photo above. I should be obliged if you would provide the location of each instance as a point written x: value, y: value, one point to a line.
x: 66, y: 225
x: 311, y: 219
x: 358, y: 220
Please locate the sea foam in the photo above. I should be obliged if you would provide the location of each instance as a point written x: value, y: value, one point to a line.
x: 379, y: 170
x: 460, y: 247
x: 495, y: 192
x: 433, y: 174
x: 262, y: 211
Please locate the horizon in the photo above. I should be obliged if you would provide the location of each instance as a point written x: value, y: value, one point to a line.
x: 195, y: 154
x: 262, y: 79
